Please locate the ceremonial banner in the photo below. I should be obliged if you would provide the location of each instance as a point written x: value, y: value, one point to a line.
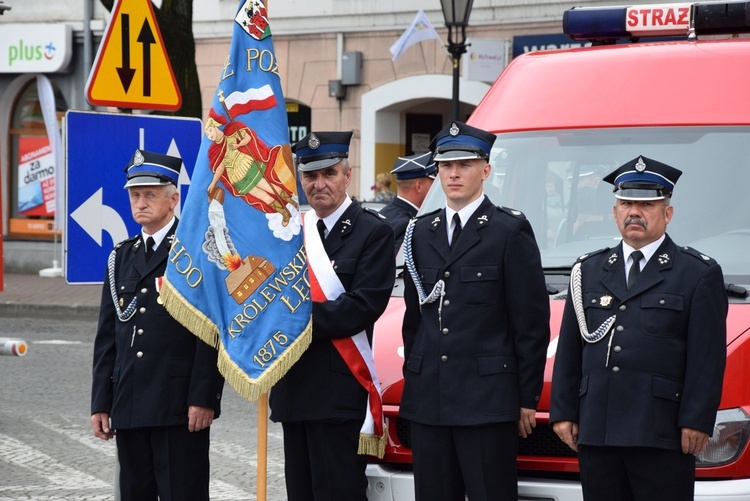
x: 237, y: 272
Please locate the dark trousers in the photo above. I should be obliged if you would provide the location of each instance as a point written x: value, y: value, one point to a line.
x: 635, y: 474
x: 321, y: 461
x: 168, y: 463
x: 451, y: 462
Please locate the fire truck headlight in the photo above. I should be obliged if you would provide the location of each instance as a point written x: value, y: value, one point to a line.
x: 730, y: 436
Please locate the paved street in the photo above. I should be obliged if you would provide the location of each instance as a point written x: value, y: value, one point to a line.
x: 47, y: 450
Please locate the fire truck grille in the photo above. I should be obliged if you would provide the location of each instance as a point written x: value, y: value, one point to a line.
x: 542, y: 442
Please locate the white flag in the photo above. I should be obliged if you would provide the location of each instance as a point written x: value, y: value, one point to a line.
x: 421, y: 29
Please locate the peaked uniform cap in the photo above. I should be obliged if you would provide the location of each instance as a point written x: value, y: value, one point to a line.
x: 643, y: 179
x: 459, y: 141
x: 319, y: 150
x: 414, y: 166
x: 147, y: 168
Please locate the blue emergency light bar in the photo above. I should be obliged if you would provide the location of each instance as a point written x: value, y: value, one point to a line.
x: 659, y: 20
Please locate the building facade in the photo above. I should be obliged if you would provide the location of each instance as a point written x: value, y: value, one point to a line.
x: 336, y: 69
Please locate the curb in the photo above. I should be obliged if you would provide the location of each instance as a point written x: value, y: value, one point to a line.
x: 78, y: 311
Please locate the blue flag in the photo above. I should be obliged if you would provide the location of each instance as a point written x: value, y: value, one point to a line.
x: 237, y: 272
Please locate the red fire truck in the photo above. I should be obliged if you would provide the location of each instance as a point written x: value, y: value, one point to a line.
x: 563, y: 120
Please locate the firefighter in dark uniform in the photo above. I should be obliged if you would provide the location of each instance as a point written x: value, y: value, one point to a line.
x: 640, y: 359
x: 156, y: 387
x: 414, y: 176
x: 475, y: 331
x: 319, y: 402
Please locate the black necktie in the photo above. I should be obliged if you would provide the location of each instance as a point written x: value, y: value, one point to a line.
x: 321, y: 229
x: 456, y: 229
x: 149, y: 248
x: 635, y: 268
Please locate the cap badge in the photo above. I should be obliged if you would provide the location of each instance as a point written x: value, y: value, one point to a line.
x: 138, y: 158
x: 640, y: 166
x: 454, y: 130
x: 313, y: 142
x: 605, y: 300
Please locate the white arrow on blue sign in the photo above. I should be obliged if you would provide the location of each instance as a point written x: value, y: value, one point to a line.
x: 98, y: 146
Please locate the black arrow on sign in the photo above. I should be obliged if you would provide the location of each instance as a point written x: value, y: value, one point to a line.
x: 125, y: 72
x: 146, y: 37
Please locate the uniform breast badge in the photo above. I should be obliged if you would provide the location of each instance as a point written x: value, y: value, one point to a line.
x: 605, y: 301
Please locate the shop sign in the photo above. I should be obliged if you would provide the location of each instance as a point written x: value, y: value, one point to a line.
x: 35, y: 48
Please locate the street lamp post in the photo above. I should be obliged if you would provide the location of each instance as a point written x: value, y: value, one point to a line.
x: 456, y: 14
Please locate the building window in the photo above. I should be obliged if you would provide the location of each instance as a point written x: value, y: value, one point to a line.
x: 32, y: 168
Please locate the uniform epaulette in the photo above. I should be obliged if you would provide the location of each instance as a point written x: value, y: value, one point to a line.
x: 589, y: 254
x: 131, y: 239
x: 513, y: 212
x: 698, y: 255
x: 420, y: 216
x: 374, y: 212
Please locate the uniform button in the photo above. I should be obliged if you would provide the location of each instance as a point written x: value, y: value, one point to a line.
x: 479, y: 274
x: 620, y: 328
x: 335, y: 267
x: 444, y: 358
x: 218, y: 396
x: 615, y: 369
x: 593, y: 301
x: 447, y: 302
x: 122, y: 287
x: 447, y: 274
x: 623, y: 307
x: 618, y: 349
x: 661, y: 301
x: 445, y: 331
x: 139, y: 354
x: 144, y: 290
x: 143, y: 309
x: 140, y: 332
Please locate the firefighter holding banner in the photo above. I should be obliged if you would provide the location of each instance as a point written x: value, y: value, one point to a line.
x: 329, y: 401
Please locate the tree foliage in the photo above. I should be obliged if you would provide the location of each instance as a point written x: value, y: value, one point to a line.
x: 175, y: 20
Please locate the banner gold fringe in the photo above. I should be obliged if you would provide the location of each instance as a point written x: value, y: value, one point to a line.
x: 372, y: 445
x: 253, y: 389
x: 200, y: 325
x: 188, y: 315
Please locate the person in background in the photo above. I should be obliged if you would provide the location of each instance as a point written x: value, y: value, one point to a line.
x: 382, y: 188
x: 414, y: 176
x: 319, y: 402
x: 641, y: 353
x: 155, y: 386
x: 475, y: 331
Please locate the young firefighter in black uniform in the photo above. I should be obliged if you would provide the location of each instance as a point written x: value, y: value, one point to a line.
x: 640, y: 359
x: 156, y: 388
x: 476, y: 331
x: 320, y: 403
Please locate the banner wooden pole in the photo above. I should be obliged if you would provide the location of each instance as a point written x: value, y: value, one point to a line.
x: 262, y: 474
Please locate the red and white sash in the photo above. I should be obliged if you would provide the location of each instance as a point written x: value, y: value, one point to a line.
x: 355, y: 350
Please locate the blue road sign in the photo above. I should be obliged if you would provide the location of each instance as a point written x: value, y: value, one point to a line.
x: 98, y: 146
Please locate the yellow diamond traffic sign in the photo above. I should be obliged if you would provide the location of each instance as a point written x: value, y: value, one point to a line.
x: 132, y: 69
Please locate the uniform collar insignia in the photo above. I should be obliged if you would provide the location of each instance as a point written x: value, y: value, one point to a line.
x: 663, y: 258
x: 435, y: 221
x: 482, y: 220
x: 346, y: 222
x: 138, y: 243
x: 612, y: 259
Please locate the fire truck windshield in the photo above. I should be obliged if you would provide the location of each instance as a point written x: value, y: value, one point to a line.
x: 555, y: 178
